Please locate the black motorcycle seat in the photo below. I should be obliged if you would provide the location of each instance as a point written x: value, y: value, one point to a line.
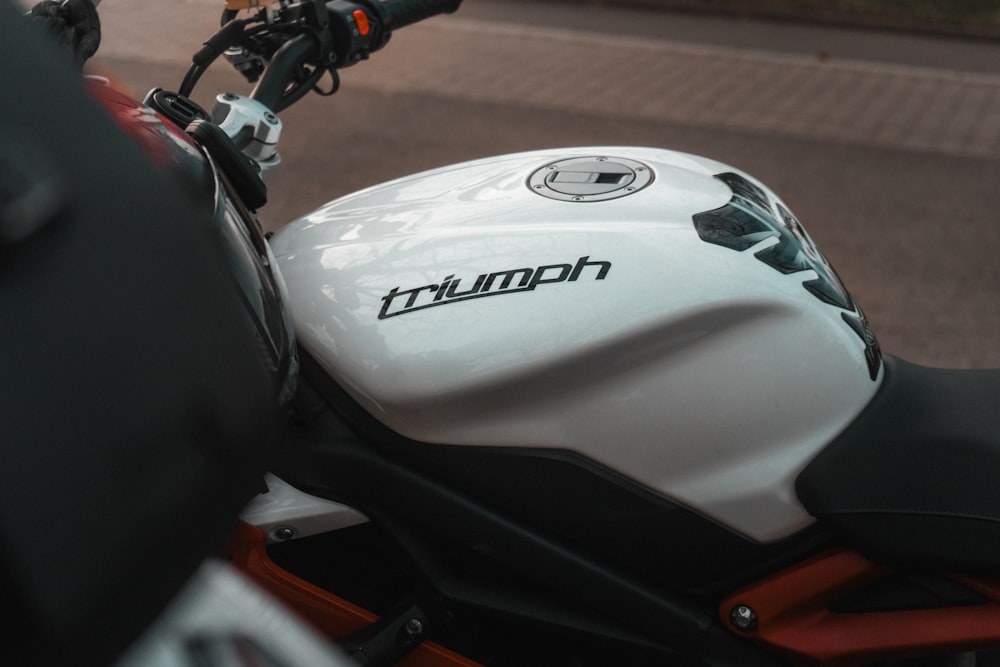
x: 913, y: 481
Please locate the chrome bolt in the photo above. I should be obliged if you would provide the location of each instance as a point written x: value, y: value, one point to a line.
x: 743, y: 617
x: 413, y: 628
x: 284, y: 533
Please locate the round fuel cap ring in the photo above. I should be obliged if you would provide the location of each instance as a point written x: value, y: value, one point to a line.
x: 586, y: 179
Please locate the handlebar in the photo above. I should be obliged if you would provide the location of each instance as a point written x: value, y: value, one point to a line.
x: 306, y: 39
x: 396, y: 14
x: 271, y: 90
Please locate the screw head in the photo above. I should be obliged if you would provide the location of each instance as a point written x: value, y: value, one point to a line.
x: 743, y: 617
x: 413, y: 628
x: 284, y: 533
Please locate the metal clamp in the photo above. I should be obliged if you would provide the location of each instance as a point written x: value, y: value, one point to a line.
x: 251, y: 125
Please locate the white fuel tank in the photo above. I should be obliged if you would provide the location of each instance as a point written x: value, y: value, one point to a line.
x: 662, y: 314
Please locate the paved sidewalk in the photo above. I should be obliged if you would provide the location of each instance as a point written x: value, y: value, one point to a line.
x: 911, y: 18
x: 625, y: 78
x: 628, y: 78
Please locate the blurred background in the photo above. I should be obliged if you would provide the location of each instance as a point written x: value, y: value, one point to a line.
x: 877, y: 121
x: 979, y: 18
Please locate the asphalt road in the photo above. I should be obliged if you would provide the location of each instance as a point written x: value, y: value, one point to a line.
x: 887, y: 147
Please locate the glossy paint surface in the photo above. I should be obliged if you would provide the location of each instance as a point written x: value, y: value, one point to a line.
x: 610, y: 329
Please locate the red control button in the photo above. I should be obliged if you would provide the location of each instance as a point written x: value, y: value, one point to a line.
x: 361, y: 20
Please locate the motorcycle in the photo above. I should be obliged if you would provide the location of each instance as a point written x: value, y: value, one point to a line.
x: 601, y: 405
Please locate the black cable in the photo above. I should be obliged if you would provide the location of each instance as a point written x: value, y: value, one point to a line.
x: 300, y: 90
x: 335, y: 84
x: 230, y: 34
x: 190, y: 79
x: 271, y: 89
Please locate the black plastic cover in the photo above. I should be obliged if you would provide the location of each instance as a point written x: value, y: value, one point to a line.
x: 913, y: 480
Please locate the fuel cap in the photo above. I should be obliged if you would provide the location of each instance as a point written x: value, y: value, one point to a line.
x: 595, y: 178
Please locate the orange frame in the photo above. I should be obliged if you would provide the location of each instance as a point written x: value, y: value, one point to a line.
x: 331, y: 615
x: 793, y: 619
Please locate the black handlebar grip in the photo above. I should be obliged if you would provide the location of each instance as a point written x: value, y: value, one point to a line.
x: 395, y: 14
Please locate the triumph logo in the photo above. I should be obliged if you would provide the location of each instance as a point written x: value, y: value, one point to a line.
x: 449, y: 290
